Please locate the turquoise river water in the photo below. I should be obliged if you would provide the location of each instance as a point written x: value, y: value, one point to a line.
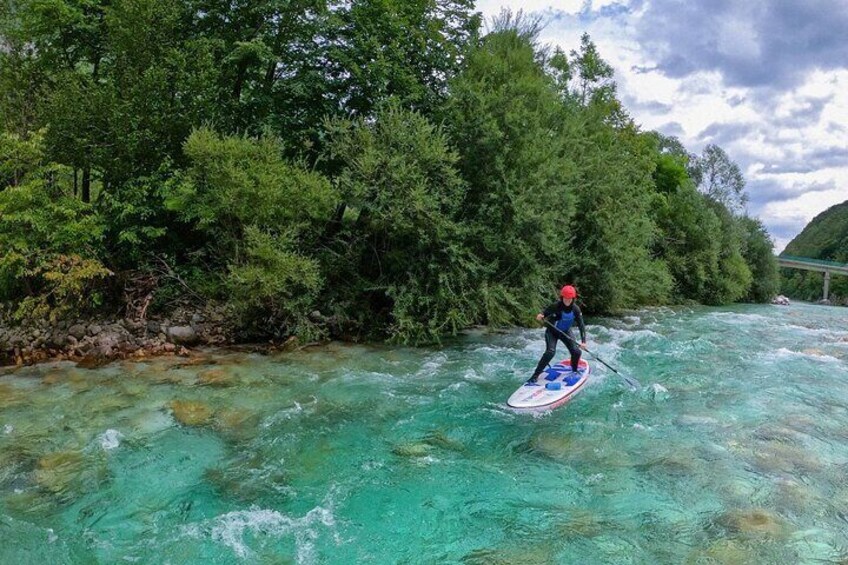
x: 734, y: 451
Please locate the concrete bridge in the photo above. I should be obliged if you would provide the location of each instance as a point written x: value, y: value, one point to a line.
x: 826, y: 267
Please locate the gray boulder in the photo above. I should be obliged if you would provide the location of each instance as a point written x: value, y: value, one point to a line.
x: 182, y: 335
x: 77, y: 330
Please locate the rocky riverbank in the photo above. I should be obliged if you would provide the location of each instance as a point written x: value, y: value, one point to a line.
x: 93, y: 341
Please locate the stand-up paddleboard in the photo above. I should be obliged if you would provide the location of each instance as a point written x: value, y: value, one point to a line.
x: 556, y: 386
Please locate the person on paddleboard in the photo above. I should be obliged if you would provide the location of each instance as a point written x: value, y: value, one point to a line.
x: 563, y: 314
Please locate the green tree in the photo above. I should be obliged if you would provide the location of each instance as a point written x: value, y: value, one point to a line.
x: 734, y: 278
x: 613, y: 224
x: 720, y: 178
x: 50, y: 242
x: 258, y: 214
x: 614, y: 227
x: 120, y: 83
x: 401, y: 245
x: 689, y: 231
x: 405, y: 50
x: 506, y: 119
x: 758, y: 251
x: 690, y: 242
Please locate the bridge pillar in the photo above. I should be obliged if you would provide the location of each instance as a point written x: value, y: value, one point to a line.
x: 826, y: 283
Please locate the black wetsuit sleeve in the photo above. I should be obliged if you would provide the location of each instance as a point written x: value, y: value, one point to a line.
x: 578, y: 317
x: 550, y: 311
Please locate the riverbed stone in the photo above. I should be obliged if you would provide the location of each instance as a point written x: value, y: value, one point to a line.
x: 30, y: 502
x: 9, y: 396
x: 215, y: 378
x: 58, y: 339
x: 412, y: 449
x: 554, y: 446
x: 57, y: 472
x: 511, y: 555
x: 237, y: 424
x: 78, y: 331
x: 182, y: 335
x: 722, y: 552
x: 584, y: 523
x: 191, y: 413
x: 754, y: 522
x: 439, y: 439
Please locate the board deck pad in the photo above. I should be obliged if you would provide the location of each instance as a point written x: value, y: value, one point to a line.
x: 556, y: 386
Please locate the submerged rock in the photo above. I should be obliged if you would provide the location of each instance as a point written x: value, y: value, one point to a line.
x: 551, y: 445
x: 68, y: 473
x: 158, y: 375
x: 440, y: 440
x: 412, y: 450
x: 778, y: 433
x: 777, y: 457
x: 9, y: 396
x: 191, y: 413
x: 251, y: 481
x: 57, y: 470
x: 52, y: 378
x: 196, y: 360
x: 527, y: 555
x: 584, y: 524
x: 96, y: 359
x: 215, y: 378
x: 723, y: 552
x: 797, y: 497
x: 9, y: 468
x: 754, y: 522
x: 236, y: 423
x: 31, y: 501
x: 133, y: 389
x: 675, y: 464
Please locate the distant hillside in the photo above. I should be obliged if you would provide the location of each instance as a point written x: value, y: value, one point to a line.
x: 825, y: 237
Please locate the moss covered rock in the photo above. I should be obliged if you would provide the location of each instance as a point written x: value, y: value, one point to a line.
x: 191, y: 413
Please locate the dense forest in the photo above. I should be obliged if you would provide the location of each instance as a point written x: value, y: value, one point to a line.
x: 399, y: 166
x: 825, y: 237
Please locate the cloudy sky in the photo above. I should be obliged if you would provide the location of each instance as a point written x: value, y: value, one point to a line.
x: 767, y: 80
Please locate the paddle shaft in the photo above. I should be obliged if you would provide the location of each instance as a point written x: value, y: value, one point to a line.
x: 633, y: 383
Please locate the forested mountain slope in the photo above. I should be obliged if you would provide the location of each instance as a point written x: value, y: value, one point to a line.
x: 825, y: 237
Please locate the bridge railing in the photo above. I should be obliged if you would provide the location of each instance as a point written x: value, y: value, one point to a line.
x: 807, y: 260
x: 805, y: 263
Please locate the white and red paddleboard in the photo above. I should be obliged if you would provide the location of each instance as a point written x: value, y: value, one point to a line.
x: 556, y: 386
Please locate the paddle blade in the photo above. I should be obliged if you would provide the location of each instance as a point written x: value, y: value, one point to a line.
x: 631, y: 382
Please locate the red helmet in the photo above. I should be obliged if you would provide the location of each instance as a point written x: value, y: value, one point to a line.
x: 568, y: 291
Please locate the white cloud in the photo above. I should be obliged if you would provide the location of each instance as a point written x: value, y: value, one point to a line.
x: 797, y: 212
x: 491, y: 8
x: 786, y: 136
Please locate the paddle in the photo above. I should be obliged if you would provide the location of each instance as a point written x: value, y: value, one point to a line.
x: 631, y: 382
